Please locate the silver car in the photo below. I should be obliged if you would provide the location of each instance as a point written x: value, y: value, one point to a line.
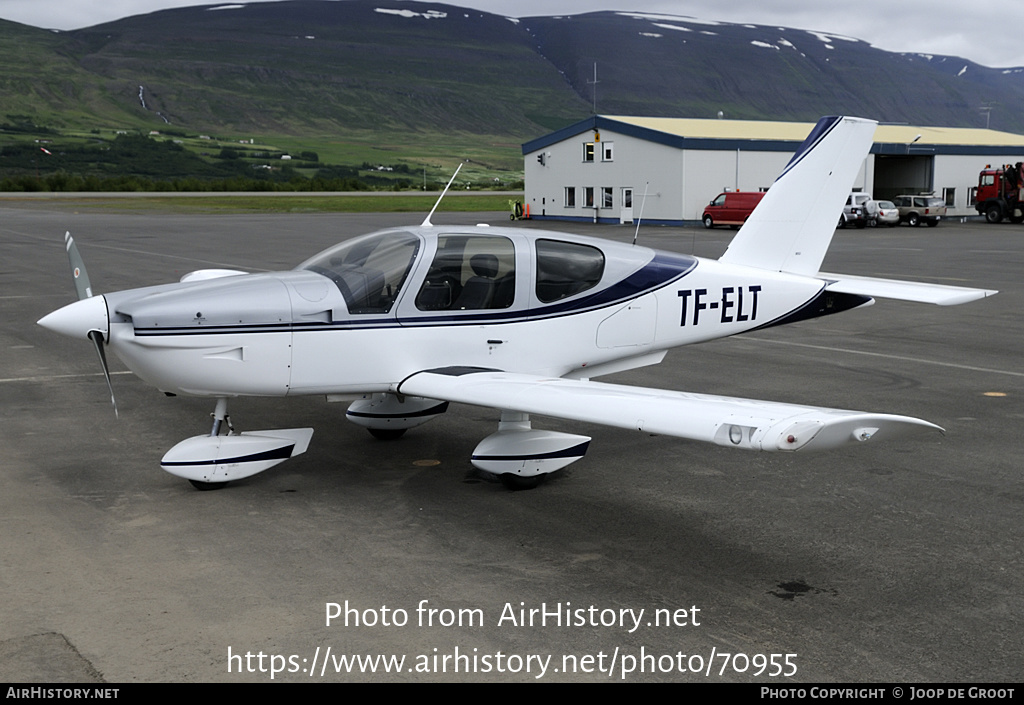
x: 888, y: 214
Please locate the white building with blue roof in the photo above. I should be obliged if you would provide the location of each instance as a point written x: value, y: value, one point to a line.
x: 610, y: 168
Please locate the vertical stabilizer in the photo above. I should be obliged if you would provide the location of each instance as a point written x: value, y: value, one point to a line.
x: 790, y: 230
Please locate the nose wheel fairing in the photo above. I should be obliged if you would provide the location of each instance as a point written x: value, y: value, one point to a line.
x: 218, y: 459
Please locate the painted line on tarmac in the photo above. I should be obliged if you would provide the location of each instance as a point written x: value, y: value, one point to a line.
x: 902, y: 358
x: 52, y: 378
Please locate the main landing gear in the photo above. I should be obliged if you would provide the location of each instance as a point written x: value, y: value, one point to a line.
x: 522, y: 457
x: 518, y: 455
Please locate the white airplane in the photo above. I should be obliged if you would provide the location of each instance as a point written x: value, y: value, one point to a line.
x: 406, y: 320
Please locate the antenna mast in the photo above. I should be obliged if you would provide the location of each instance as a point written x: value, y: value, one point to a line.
x: 594, y: 84
x: 642, y: 204
x: 426, y: 221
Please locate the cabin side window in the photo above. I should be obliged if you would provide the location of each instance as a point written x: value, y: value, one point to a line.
x: 469, y: 273
x: 566, y: 268
x: 369, y: 271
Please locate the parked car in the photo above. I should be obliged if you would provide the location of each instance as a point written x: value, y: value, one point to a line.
x: 921, y: 208
x: 860, y: 210
x: 731, y: 208
x: 888, y: 214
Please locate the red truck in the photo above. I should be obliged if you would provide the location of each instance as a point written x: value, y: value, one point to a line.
x: 731, y: 208
x: 1000, y: 193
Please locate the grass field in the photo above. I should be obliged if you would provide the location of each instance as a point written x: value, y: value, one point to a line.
x: 275, y: 203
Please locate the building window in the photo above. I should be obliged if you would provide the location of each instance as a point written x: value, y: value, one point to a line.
x: 606, y: 197
x: 570, y: 196
x: 588, y: 151
x: 608, y: 152
x: 588, y: 196
x: 949, y: 194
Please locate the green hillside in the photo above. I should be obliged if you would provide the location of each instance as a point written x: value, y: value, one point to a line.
x: 309, y: 67
x: 424, y: 86
x: 43, y: 83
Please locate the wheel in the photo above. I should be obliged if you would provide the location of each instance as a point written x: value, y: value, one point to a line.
x: 387, y: 434
x: 842, y: 223
x: 511, y: 216
x: 932, y: 223
x: 518, y: 482
x: 708, y: 222
x: 994, y: 214
x: 913, y: 220
x: 207, y: 486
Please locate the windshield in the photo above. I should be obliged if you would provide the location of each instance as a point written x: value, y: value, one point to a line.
x: 369, y: 271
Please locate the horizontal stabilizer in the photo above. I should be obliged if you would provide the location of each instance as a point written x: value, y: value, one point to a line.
x: 726, y: 421
x: 940, y: 294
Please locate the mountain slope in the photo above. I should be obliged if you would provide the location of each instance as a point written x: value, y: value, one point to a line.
x: 310, y: 67
x: 680, y: 67
x: 42, y: 83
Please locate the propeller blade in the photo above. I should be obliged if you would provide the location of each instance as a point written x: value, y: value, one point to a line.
x: 97, y: 338
x: 78, y: 273
x: 84, y: 288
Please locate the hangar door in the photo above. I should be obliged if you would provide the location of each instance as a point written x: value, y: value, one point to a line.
x: 903, y: 173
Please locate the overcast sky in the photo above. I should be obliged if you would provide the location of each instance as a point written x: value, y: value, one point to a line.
x: 950, y: 27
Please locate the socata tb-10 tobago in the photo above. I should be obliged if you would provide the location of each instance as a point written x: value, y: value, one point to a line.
x: 408, y: 319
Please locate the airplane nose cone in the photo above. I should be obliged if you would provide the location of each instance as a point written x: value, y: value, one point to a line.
x: 78, y: 318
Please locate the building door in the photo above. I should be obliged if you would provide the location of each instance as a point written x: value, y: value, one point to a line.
x: 626, y: 209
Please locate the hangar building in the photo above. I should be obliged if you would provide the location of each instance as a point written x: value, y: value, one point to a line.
x: 612, y: 169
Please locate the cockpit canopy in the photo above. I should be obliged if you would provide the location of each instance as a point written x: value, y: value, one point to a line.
x: 467, y: 271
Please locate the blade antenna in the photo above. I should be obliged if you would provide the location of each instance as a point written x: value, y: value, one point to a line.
x: 426, y: 221
x: 638, y: 220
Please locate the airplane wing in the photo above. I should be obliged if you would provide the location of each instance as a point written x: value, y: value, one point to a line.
x: 940, y: 294
x: 726, y: 421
